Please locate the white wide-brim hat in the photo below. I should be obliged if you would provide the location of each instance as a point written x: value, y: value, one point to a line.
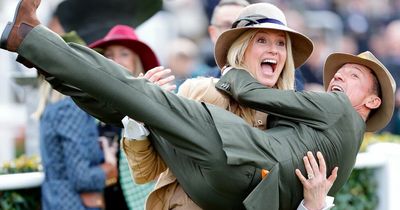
x: 381, y: 117
x: 262, y: 16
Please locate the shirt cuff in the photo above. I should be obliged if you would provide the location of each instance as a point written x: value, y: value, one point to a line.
x: 328, y: 204
x: 134, y: 130
x: 226, y: 69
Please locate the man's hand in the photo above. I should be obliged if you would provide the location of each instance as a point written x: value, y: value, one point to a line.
x: 316, y: 186
x: 159, y: 76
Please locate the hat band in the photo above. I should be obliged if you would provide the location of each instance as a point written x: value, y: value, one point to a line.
x: 258, y: 21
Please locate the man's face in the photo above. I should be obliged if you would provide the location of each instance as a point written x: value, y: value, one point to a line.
x: 356, y: 81
x: 223, y: 19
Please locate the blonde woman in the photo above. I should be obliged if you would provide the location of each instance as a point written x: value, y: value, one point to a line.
x: 266, y: 52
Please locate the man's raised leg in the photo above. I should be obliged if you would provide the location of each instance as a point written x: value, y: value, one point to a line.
x: 91, y: 72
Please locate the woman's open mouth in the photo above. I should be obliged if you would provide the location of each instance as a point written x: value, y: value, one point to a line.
x: 268, y: 66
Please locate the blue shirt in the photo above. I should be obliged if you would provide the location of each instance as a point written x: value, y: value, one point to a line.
x: 71, y: 155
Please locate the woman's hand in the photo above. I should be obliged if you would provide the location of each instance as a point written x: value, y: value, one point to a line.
x: 159, y: 76
x: 316, y: 186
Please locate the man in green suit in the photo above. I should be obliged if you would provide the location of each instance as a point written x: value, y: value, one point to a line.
x: 216, y: 156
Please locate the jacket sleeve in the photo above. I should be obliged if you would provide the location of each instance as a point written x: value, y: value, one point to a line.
x: 144, y: 162
x: 312, y: 108
x: 98, y: 109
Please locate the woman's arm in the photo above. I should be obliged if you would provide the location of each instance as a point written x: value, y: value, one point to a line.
x: 143, y: 160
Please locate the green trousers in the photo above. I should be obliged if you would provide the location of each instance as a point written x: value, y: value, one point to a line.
x: 182, y: 130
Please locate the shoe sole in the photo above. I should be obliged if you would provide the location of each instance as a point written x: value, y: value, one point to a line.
x: 7, y: 29
x: 5, y: 34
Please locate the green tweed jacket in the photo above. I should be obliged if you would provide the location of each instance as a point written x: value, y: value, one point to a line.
x: 298, y: 122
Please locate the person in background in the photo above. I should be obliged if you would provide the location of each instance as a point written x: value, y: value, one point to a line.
x: 182, y: 58
x: 122, y: 45
x: 222, y: 18
x: 392, y: 60
x: 76, y: 169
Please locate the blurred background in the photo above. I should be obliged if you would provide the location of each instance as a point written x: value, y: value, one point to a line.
x: 177, y: 32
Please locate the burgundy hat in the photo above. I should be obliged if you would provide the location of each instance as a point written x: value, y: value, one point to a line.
x: 126, y: 36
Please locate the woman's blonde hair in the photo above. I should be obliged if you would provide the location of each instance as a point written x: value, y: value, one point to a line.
x: 46, y: 95
x: 235, y: 58
x: 138, y: 64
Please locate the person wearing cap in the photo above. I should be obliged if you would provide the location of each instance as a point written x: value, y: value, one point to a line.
x: 216, y: 156
x: 122, y: 45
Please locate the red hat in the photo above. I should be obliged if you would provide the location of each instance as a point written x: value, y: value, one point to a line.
x: 126, y: 36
